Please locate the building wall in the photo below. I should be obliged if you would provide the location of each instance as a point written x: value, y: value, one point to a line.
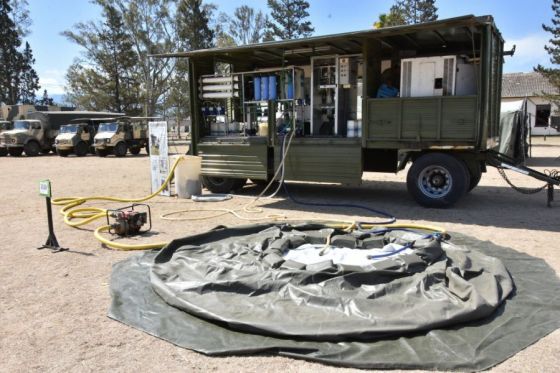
x: 532, y: 103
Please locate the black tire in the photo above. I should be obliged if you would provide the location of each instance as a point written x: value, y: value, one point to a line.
x: 81, y: 149
x: 148, y: 149
x: 101, y: 152
x: 62, y: 153
x: 32, y: 149
x: 3, y: 152
x: 135, y: 150
x: 437, y: 180
x: 222, y: 184
x: 475, y: 175
x: 120, y: 149
x: 15, y: 152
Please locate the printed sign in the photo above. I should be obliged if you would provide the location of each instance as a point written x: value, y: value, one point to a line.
x: 159, y: 157
x: 45, y: 188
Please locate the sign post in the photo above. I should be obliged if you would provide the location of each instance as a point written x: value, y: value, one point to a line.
x: 52, y: 242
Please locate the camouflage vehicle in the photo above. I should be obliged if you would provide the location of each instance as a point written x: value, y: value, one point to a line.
x: 77, y: 137
x: 5, y: 125
x: 122, y: 135
x: 36, y: 134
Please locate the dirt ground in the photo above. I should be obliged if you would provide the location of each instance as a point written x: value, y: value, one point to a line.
x: 53, y: 306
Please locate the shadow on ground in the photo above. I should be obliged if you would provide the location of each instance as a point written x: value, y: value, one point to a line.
x: 484, y: 206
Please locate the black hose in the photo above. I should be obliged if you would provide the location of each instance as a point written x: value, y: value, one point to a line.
x: 391, y: 218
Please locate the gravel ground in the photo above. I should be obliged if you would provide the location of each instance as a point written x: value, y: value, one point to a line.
x: 53, y: 306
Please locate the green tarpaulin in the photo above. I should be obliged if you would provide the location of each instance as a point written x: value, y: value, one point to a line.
x: 431, y: 305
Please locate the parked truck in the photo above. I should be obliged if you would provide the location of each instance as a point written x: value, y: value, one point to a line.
x: 367, y: 101
x: 5, y: 125
x: 77, y: 136
x: 36, y: 134
x: 122, y: 135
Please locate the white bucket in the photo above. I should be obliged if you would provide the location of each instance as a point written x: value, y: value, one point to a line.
x: 187, y: 176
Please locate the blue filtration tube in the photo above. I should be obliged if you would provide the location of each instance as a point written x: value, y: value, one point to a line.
x: 290, y: 84
x: 264, y: 88
x: 272, y: 87
x: 257, y: 87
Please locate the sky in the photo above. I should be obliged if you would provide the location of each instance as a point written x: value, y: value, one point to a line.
x: 519, y: 21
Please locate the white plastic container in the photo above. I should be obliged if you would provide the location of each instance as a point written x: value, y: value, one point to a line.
x: 187, y: 176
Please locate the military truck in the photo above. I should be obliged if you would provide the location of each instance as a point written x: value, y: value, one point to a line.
x: 77, y: 136
x: 37, y: 133
x: 366, y: 101
x: 122, y: 135
x: 5, y: 125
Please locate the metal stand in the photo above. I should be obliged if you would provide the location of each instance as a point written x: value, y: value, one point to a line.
x: 52, y: 242
x: 549, y: 194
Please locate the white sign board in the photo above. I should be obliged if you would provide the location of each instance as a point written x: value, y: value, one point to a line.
x: 45, y: 188
x: 159, y: 157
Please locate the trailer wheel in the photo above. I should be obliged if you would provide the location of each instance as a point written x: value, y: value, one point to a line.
x: 3, y: 152
x: 32, y: 149
x: 135, y: 150
x: 475, y: 176
x: 120, y: 149
x: 437, y: 180
x: 15, y: 152
x: 81, y: 149
x: 222, y: 184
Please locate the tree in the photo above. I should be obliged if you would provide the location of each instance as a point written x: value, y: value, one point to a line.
x: 153, y: 31
x: 106, y: 77
x: 193, y: 20
x: 194, y: 32
x: 20, y: 16
x: 247, y: 26
x: 407, y: 12
x: 10, y: 57
x: 393, y: 18
x: 29, y: 80
x: 288, y: 20
x: 553, y: 49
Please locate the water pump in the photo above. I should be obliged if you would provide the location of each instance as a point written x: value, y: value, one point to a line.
x: 129, y: 221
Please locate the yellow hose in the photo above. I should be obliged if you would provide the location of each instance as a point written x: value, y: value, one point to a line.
x: 75, y: 216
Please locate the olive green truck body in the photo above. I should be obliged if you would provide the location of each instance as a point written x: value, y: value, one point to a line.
x: 451, y: 127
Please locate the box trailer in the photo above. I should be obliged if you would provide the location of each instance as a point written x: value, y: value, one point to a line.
x: 368, y: 101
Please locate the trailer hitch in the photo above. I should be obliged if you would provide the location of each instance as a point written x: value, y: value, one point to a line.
x: 550, y: 177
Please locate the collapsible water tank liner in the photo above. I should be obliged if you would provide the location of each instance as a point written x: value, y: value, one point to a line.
x: 441, y: 305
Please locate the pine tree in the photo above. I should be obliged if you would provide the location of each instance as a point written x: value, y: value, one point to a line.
x: 10, y: 57
x: 195, y: 32
x: 193, y: 19
x: 20, y: 16
x: 29, y: 80
x: 247, y: 26
x: 289, y: 20
x: 394, y: 18
x: 407, y: 12
x: 553, y: 49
